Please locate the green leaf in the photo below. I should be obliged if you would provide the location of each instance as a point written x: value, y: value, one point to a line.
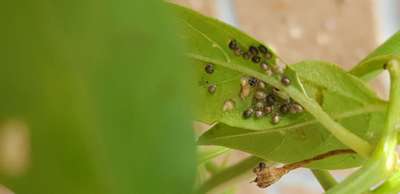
x: 211, y: 44
x: 208, y: 43
x: 343, y: 96
x: 372, y: 65
x: 88, y: 84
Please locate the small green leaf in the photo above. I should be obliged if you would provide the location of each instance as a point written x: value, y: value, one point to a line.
x: 372, y: 65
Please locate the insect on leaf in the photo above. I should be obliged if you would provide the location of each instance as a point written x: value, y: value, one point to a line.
x: 359, y: 111
x: 297, y: 136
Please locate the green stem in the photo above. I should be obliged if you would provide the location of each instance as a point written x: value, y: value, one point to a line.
x: 392, y: 185
x: 227, y: 176
x: 348, y: 138
x: 366, y: 68
x: 383, y: 160
x: 325, y: 179
x: 371, y: 67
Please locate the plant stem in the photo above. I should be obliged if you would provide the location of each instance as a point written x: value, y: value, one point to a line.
x: 371, y: 67
x: 348, y: 138
x: 384, y: 158
x: 325, y: 179
x: 322, y: 156
x: 392, y: 185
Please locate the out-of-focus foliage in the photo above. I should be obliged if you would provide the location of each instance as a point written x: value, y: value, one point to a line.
x: 101, y: 90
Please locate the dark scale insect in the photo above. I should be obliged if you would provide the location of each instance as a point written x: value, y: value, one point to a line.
x: 248, y: 113
x: 256, y: 59
x: 209, y: 68
x: 271, y: 99
x: 258, y: 114
x: 252, y: 81
x: 246, y: 55
x: 275, y: 119
x: 263, y: 49
x: 233, y: 44
x: 262, y: 165
x: 285, y: 81
x: 284, y: 108
x: 212, y: 88
x: 253, y: 50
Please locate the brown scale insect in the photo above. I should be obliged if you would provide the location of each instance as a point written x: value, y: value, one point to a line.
x: 253, y: 50
x: 248, y: 113
x: 264, y: 66
x: 263, y: 49
x: 238, y: 52
x: 256, y: 59
x: 209, y: 68
x: 275, y: 119
x: 260, y: 95
x: 212, y: 88
x: 246, y: 55
x: 228, y: 105
x: 262, y: 165
x: 267, y: 109
x: 271, y: 99
x: 252, y: 81
x: 284, y: 108
x: 259, y: 106
x: 296, y: 108
x: 244, y: 88
x: 268, y: 55
x: 261, y: 84
x: 285, y: 81
x: 233, y: 44
x: 258, y: 114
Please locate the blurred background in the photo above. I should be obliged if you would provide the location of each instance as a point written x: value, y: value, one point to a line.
x: 340, y: 31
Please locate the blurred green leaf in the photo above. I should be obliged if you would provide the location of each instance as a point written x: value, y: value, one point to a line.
x: 207, y: 153
x: 341, y: 95
x: 92, y: 82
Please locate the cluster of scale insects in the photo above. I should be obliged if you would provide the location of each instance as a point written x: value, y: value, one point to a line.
x: 266, y: 99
